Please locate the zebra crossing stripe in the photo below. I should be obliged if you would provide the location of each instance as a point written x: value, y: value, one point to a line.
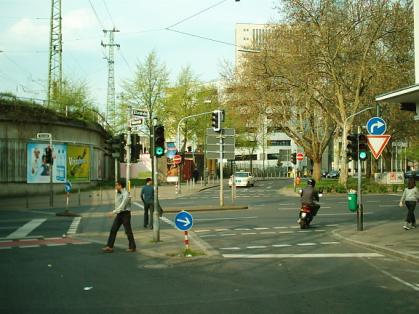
x: 74, y: 225
x: 26, y: 229
x: 320, y: 255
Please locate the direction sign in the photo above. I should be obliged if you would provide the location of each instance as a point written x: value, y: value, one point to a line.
x: 183, y: 221
x: 377, y: 143
x: 177, y: 159
x: 139, y: 113
x: 137, y: 121
x: 376, y: 126
x: 67, y: 187
x: 300, y: 156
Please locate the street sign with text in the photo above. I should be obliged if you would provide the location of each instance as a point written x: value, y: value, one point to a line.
x: 43, y: 136
x: 139, y: 113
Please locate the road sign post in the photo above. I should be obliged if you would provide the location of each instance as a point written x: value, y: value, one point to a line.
x: 184, y: 222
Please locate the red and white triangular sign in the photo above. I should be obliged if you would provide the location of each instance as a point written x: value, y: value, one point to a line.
x: 377, y: 143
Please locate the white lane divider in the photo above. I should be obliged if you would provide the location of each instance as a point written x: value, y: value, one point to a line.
x: 248, y: 233
x: 306, y: 244
x: 320, y: 255
x: 281, y: 245
x: 26, y: 229
x: 230, y: 248
x: 257, y: 247
x: 74, y: 225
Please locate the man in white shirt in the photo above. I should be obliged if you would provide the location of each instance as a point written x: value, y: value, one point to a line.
x: 123, y: 217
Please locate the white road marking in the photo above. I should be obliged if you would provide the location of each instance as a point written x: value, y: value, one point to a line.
x: 319, y: 230
x: 280, y: 227
x: 320, y: 255
x: 74, y: 225
x: 306, y: 244
x: 303, y: 231
x: 344, y: 214
x: 268, y: 232
x: 227, y: 234
x: 28, y: 246
x: 227, y: 218
x: 248, y: 233
x: 283, y: 232
x: 281, y: 245
x: 204, y: 230
x: 326, y: 243
x: 208, y: 235
x: 229, y: 248
x: 285, y: 204
x: 26, y: 229
x: 257, y: 247
x: 261, y: 228
x: 335, y: 225
x: 242, y: 229
x: 408, y: 284
x: 56, y: 244
x: 221, y: 229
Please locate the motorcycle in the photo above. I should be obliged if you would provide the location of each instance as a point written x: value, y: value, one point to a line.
x: 306, y: 215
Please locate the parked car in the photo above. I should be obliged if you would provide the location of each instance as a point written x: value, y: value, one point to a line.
x: 324, y: 174
x: 242, y: 178
x: 333, y: 174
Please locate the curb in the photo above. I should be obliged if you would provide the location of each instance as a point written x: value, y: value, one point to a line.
x: 202, y: 208
x: 378, y: 248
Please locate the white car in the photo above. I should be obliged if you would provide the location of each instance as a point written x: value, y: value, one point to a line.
x: 242, y: 178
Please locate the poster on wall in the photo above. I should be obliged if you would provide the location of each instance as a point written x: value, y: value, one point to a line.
x: 38, y: 171
x: 78, y: 163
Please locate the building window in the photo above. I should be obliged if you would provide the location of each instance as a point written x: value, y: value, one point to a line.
x: 273, y: 156
x: 246, y: 157
x: 279, y: 143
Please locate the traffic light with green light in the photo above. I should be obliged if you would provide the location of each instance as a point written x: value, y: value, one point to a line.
x: 362, y: 147
x: 159, y: 141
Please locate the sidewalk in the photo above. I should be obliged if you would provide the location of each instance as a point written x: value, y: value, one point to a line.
x: 93, y: 197
x: 387, y: 237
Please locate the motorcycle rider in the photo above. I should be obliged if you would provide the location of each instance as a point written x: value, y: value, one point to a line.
x: 309, y: 196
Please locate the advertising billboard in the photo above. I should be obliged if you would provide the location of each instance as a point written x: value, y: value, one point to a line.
x: 38, y: 171
x: 78, y: 163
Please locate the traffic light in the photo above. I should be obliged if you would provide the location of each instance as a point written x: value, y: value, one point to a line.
x: 294, y: 158
x: 135, y: 147
x: 216, y: 120
x: 159, y: 141
x: 352, y: 147
x: 117, y: 147
x: 362, y: 146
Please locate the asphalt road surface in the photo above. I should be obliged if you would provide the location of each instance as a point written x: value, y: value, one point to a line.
x: 266, y: 264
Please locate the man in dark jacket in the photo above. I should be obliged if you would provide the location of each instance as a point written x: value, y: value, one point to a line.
x: 147, y: 196
x: 309, y: 196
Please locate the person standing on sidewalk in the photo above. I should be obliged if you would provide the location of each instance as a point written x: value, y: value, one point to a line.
x: 147, y: 196
x: 410, y: 197
x: 123, y: 217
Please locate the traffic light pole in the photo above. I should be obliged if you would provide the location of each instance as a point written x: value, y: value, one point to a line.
x: 179, y: 191
x: 221, y: 169
x: 51, y: 186
x: 156, y: 216
x: 128, y: 150
x: 360, y: 209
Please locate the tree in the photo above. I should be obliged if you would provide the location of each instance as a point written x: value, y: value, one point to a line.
x: 350, y: 46
x: 146, y: 90
x: 188, y: 97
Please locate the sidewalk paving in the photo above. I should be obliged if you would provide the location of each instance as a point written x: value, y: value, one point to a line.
x: 387, y: 237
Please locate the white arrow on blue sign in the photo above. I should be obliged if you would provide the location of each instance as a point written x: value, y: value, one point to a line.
x: 67, y: 187
x: 376, y: 126
x: 183, y: 221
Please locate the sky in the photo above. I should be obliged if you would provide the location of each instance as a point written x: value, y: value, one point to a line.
x: 24, y: 39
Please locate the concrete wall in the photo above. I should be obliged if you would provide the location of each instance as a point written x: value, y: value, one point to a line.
x: 17, y: 130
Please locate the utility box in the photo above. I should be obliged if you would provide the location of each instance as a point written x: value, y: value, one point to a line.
x: 352, y: 201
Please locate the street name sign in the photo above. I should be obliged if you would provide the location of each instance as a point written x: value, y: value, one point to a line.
x: 377, y: 143
x: 376, y: 126
x: 137, y: 121
x: 139, y: 113
x: 183, y: 221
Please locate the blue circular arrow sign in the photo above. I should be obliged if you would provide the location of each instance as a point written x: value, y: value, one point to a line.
x: 376, y: 126
x: 183, y: 221
x: 67, y: 187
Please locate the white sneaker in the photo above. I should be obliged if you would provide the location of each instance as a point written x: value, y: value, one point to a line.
x: 412, y: 226
x: 406, y: 227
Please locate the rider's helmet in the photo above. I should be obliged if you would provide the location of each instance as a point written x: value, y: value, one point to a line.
x: 311, y: 182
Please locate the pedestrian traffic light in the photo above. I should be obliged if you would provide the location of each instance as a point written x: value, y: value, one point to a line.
x: 294, y: 158
x: 362, y: 147
x: 159, y: 141
x: 352, y: 147
x: 135, y: 147
x: 216, y: 120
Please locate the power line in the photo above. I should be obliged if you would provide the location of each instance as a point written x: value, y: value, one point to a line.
x: 109, y: 13
x: 96, y: 15
x: 196, y: 14
x: 203, y: 37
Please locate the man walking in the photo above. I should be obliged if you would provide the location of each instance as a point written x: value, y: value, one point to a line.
x: 147, y: 196
x: 123, y: 217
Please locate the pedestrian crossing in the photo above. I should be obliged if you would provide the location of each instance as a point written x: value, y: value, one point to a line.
x: 38, y: 232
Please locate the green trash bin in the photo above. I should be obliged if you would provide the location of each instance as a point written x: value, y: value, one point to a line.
x: 352, y: 201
